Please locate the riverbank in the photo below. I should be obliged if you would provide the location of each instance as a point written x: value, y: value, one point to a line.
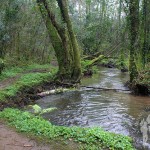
x: 142, y: 83
x: 89, y: 138
x: 23, y: 90
x: 18, y: 85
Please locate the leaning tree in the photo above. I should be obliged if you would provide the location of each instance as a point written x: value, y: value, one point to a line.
x: 63, y: 40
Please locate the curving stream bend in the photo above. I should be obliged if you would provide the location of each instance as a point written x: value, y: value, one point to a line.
x: 117, y: 112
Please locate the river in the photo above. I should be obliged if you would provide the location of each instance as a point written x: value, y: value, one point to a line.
x: 116, y: 111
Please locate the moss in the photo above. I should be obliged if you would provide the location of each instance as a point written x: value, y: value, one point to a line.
x: 28, y: 123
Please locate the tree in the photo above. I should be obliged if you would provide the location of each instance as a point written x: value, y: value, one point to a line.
x: 63, y: 40
x: 8, y: 15
x: 146, y: 32
x: 134, y: 29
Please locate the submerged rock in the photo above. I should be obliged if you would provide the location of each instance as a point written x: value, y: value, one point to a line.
x: 124, y: 70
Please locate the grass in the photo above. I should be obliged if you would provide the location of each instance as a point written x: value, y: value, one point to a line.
x: 26, y: 80
x: 38, y: 66
x: 90, y: 138
x: 12, y: 72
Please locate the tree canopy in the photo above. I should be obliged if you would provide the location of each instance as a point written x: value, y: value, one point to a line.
x: 81, y: 27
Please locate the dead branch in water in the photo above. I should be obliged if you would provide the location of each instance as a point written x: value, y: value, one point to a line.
x: 101, y: 88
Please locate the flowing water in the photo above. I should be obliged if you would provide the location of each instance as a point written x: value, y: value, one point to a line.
x: 115, y: 111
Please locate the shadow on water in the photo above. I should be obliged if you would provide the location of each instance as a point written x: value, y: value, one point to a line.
x: 117, y: 112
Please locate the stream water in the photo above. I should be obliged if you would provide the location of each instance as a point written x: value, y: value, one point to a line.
x: 115, y: 111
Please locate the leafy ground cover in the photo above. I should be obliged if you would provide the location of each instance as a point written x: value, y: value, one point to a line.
x: 89, y: 138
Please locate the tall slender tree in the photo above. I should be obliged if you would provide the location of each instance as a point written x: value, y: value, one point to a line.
x: 8, y: 15
x: 146, y: 32
x: 134, y: 30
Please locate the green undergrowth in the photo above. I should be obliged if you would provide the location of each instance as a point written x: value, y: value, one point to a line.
x: 86, y: 65
x: 101, y: 60
x: 89, y: 138
x: 12, y: 72
x: 118, y: 63
x: 26, y: 80
x: 144, y: 77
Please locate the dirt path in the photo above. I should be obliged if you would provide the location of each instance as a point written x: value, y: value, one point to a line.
x: 5, y: 83
x: 11, y: 140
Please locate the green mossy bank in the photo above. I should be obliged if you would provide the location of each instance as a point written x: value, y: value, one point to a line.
x: 26, y: 81
x: 28, y: 77
x: 20, y: 85
x: 89, y: 138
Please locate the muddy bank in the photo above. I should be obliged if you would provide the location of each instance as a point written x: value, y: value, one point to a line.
x: 27, y: 95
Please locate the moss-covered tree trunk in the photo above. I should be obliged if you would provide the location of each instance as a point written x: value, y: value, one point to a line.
x: 134, y: 29
x: 2, y: 50
x: 63, y: 40
x: 146, y: 32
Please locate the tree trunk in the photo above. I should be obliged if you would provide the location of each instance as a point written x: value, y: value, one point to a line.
x: 146, y: 32
x: 2, y: 54
x: 63, y: 41
x: 134, y: 29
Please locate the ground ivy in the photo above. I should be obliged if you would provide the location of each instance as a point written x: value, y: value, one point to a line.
x: 92, y: 138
